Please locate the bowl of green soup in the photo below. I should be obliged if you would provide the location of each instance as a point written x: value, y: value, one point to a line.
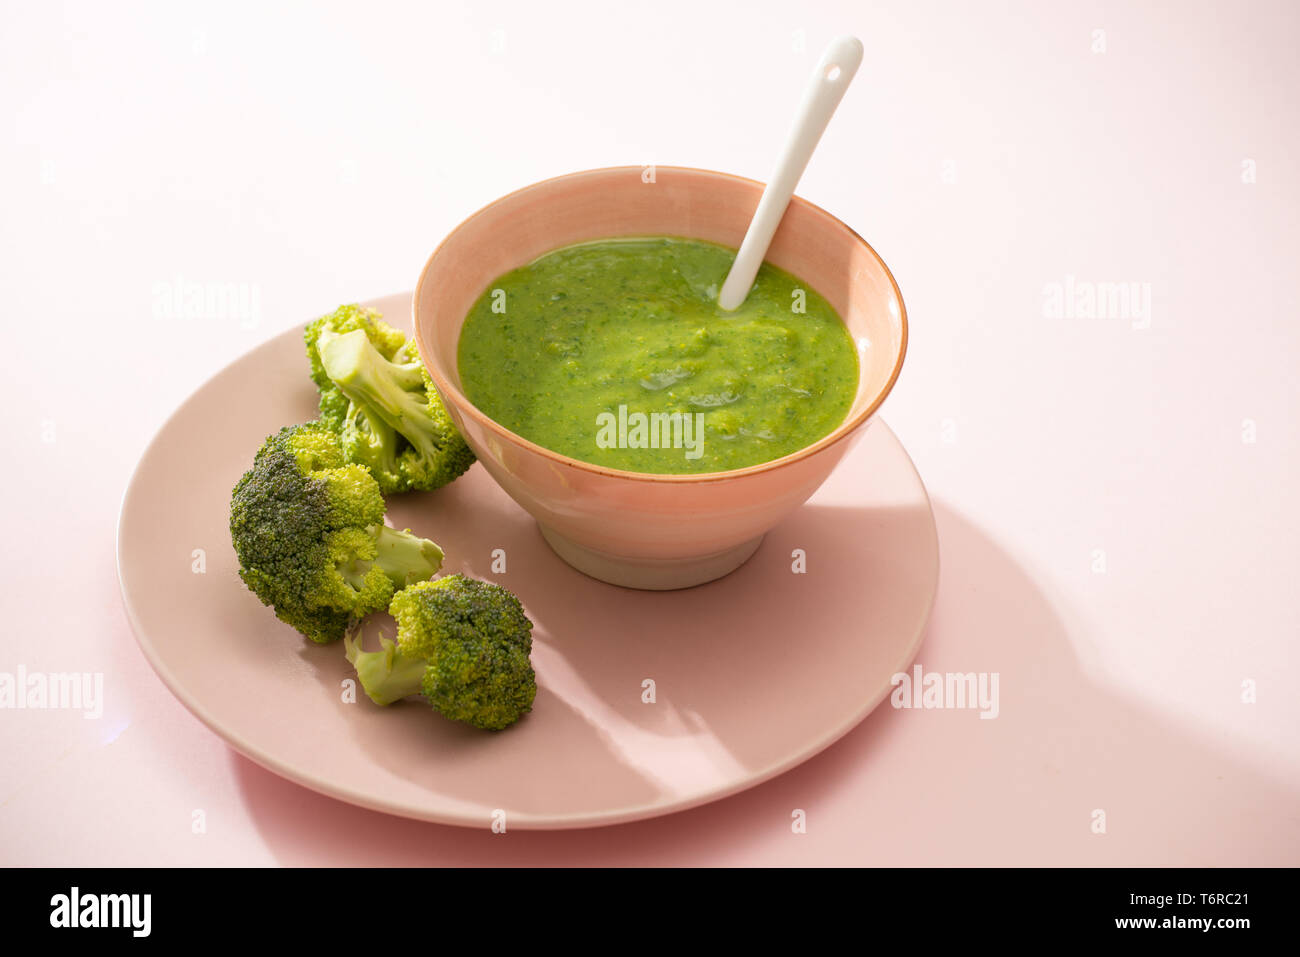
x: 573, y: 330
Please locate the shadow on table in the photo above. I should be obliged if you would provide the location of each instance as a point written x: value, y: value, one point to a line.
x: 904, y: 786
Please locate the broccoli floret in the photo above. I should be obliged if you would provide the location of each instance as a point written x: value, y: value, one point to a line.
x: 309, y: 532
x: 376, y: 393
x: 462, y: 643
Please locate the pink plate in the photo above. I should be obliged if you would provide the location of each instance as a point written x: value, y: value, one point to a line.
x: 648, y: 702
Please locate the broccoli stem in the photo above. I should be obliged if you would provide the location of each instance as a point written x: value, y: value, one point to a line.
x: 354, y: 573
x: 386, y: 675
x: 405, y: 558
x: 378, y: 436
x: 392, y: 392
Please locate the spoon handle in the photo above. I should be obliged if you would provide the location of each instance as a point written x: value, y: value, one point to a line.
x: 829, y: 81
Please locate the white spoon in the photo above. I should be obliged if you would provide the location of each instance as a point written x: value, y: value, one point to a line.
x: 829, y: 81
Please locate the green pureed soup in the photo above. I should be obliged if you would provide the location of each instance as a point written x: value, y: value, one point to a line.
x: 616, y: 353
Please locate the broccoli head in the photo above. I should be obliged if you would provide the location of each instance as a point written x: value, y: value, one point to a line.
x: 376, y: 393
x: 462, y: 643
x: 309, y: 533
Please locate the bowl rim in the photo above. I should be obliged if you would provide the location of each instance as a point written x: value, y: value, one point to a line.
x: 839, y: 434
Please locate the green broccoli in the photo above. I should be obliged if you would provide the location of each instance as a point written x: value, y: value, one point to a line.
x: 309, y: 532
x: 376, y: 393
x: 462, y: 643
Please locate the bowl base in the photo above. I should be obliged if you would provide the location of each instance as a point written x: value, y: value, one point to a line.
x: 649, y: 574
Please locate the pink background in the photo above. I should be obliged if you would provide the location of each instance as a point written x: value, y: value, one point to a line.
x: 985, y: 150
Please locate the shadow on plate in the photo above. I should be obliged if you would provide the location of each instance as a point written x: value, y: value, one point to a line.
x: 749, y: 671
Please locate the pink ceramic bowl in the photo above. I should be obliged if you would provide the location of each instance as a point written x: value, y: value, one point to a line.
x: 631, y: 528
